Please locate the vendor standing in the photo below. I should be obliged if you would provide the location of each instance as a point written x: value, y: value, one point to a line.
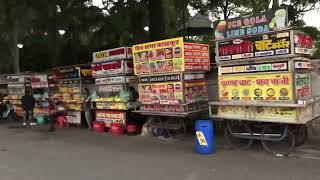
x: 28, y: 104
x: 87, y: 106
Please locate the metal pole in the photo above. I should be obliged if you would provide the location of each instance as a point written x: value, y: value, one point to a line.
x: 184, y: 20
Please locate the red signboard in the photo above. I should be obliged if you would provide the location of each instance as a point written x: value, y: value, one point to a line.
x: 111, y: 116
x: 114, y: 67
x: 112, y: 54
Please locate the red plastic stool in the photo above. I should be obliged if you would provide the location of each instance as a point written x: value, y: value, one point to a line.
x: 116, y: 129
x: 99, y: 127
x: 132, y: 129
x: 62, y: 122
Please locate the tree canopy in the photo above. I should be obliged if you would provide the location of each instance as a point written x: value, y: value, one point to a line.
x: 36, y: 24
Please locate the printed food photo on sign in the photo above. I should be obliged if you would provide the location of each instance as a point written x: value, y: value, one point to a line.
x: 235, y: 94
x: 272, y: 20
x: 160, y: 54
x: 169, y: 66
x: 177, y: 52
x: 246, y: 94
x: 258, y: 94
x: 169, y: 53
x: 271, y: 94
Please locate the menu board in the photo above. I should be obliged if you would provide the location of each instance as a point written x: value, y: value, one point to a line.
x: 303, y: 85
x: 196, y: 57
x: 256, y: 87
x: 272, y: 44
x: 272, y: 20
x: 195, y: 91
x: 159, y: 57
x: 161, y: 93
x: 109, y: 117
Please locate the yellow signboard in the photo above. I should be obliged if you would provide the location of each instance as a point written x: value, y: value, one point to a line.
x: 159, y: 57
x: 272, y: 113
x: 256, y: 87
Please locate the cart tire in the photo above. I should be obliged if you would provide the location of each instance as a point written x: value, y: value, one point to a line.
x: 301, y: 135
x: 278, y: 148
x: 235, y: 142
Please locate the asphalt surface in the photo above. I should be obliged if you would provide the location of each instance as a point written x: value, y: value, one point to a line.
x: 77, y: 154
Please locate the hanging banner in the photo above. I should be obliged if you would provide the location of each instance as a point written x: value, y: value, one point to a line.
x: 272, y: 44
x: 303, y: 85
x: 272, y: 20
x: 269, y: 87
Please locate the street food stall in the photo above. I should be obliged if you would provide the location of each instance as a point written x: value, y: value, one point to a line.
x: 17, y: 85
x: 3, y: 84
x: 172, y: 81
x: 67, y: 84
x: 264, y: 82
x: 113, y: 73
x: 40, y: 92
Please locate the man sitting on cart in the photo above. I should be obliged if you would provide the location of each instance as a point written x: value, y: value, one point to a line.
x: 57, y: 109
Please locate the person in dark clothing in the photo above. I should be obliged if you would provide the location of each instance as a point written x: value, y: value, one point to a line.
x: 57, y: 109
x: 134, y: 94
x: 28, y: 104
x: 87, y: 107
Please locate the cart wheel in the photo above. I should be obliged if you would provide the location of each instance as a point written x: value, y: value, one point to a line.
x: 271, y: 141
x: 238, y: 143
x: 301, y: 134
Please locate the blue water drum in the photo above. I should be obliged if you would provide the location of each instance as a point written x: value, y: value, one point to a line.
x: 204, y: 137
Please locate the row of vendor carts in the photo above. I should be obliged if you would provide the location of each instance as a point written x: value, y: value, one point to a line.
x: 267, y: 85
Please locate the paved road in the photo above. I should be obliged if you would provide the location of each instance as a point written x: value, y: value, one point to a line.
x: 74, y: 154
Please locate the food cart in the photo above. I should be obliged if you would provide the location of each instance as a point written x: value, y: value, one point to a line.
x: 40, y: 91
x: 172, y: 83
x: 264, y: 83
x: 113, y: 73
x: 17, y: 85
x: 67, y: 84
x: 3, y: 84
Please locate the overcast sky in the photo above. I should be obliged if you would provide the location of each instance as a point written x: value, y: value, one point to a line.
x: 311, y: 18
